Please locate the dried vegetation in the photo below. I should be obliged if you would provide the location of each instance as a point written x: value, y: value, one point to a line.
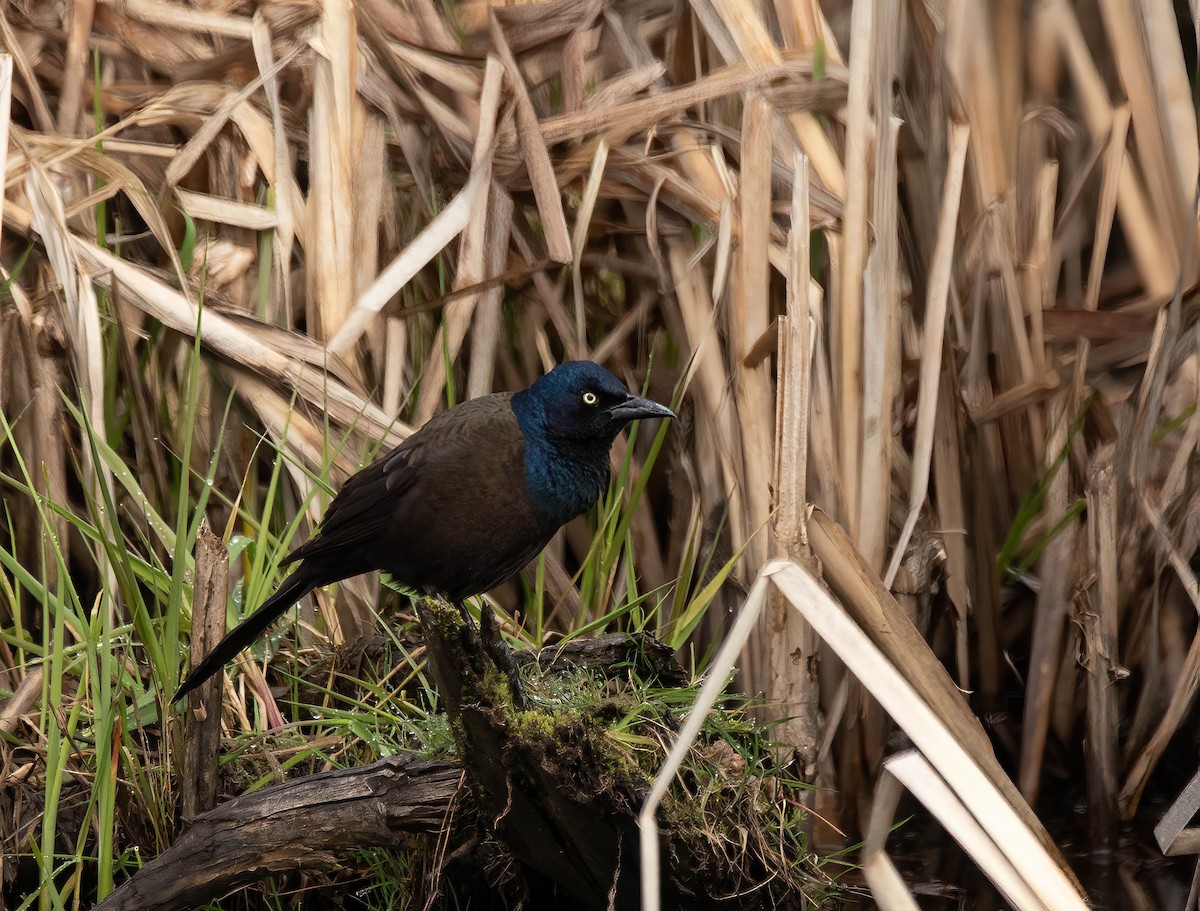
x: 928, y: 266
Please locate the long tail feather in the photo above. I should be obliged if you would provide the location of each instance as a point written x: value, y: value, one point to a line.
x: 294, y: 587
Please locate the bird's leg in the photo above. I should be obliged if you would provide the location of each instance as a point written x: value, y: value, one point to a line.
x: 500, y: 653
x: 468, y: 621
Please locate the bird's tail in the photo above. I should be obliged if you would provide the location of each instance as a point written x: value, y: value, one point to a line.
x: 293, y: 588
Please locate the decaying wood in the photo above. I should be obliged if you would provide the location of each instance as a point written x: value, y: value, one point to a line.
x: 546, y: 827
x: 299, y: 825
x: 548, y: 788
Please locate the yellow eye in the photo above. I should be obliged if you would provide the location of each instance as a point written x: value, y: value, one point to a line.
x: 589, y: 398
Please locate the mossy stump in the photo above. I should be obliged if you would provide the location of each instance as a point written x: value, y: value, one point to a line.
x: 531, y: 768
x: 554, y: 786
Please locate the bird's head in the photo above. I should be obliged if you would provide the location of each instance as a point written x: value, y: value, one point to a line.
x: 580, y: 400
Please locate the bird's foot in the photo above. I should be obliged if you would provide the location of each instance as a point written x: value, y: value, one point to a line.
x: 501, y: 654
x: 467, y: 619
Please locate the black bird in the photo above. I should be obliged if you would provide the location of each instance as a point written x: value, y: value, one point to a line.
x: 464, y: 502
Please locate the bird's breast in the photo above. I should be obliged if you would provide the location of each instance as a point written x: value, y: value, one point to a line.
x: 561, y: 487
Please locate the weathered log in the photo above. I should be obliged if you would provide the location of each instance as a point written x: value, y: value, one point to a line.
x: 299, y: 825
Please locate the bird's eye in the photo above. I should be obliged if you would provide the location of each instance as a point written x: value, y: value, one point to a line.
x: 590, y: 398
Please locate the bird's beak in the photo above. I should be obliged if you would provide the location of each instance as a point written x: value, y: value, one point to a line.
x: 635, y: 408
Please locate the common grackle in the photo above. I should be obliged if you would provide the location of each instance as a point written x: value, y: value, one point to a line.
x: 464, y: 502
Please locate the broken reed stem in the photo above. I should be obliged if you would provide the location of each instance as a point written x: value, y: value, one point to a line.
x: 335, y: 119
x: 881, y: 304
x: 1102, y: 654
x: 6, y: 76
x: 755, y: 405
x: 1051, y: 611
x: 755, y: 402
x: 457, y: 316
x: 793, y: 683
x: 583, y: 219
x: 537, y: 158
x: 854, y: 251
x: 794, y: 383
x: 202, y: 722
x: 931, y: 340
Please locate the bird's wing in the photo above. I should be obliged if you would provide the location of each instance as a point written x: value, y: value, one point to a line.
x: 367, y: 503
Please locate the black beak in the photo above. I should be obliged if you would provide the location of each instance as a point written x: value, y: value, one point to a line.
x: 635, y: 408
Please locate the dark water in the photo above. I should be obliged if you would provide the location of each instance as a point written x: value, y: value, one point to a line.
x: 1133, y: 877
